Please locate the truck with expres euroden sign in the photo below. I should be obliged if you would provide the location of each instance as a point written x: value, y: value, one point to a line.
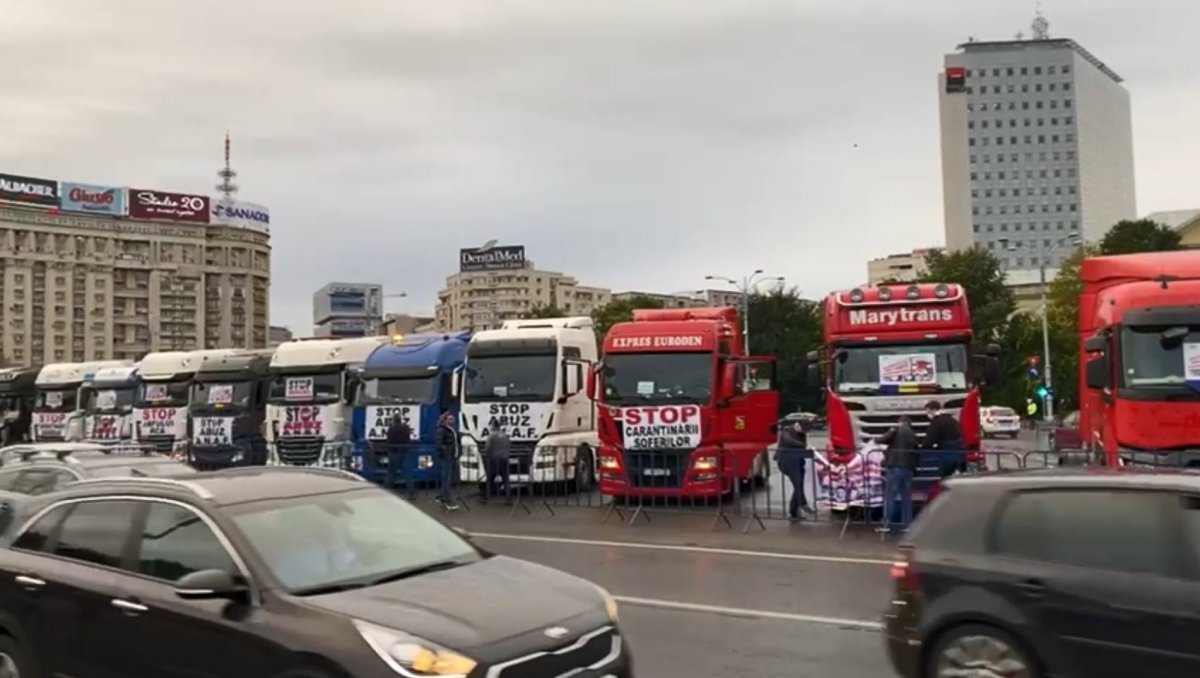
x: 682, y: 412
x: 888, y: 351
x: 528, y: 379
x: 1139, y: 377
x: 411, y: 377
x: 313, y: 382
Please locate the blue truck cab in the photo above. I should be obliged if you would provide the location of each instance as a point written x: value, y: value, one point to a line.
x: 412, y: 377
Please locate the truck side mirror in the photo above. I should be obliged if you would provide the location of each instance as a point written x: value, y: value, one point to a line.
x: 456, y: 382
x: 1095, y: 344
x: 591, y: 381
x: 570, y: 379
x: 1097, y: 374
x: 728, y: 386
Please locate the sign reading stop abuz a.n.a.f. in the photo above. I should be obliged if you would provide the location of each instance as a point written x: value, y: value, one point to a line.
x: 166, y: 206
x: 521, y: 421
x: 28, y: 190
x: 664, y: 427
x: 302, y: 421
x: 213, y: 431
x: 379, y: 419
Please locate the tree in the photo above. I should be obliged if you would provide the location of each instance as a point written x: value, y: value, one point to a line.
x: 982, y: 278
x: 543, y: 311
x: 1142, y: 235
x: 620, y: 310
x: 787, y: 326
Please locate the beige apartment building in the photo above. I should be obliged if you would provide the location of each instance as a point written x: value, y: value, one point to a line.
x: 697, y: 299
x: 901, y: 267
x: 479, y: 300
x: 76, y: 287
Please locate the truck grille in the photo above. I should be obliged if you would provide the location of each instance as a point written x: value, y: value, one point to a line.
x: 299, y: 451
x: 871, y: 425
x: 657, y: 468
x: 161, y: 444
x: 593, y: 651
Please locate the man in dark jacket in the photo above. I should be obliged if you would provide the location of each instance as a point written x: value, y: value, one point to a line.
x: 944, y: 435
x: 447, y: 449
x: 899, y: 464
x: 399, y: 441
x: 495, y: 459
x: 792, y: 457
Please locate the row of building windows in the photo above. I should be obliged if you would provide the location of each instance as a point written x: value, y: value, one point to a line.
x: 1014, y: 140
x: 1016, y: 157
x: 1015, y: 191
x: 1029, y: 209
x: 1015, y: 175
x: 1031, y: 226
x: 1012, y: 89
x: 1029, y: 122
x: 1010, y: 71
x: 983, y: 106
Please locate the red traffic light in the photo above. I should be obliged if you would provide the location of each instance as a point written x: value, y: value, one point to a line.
x: 1032, y: 361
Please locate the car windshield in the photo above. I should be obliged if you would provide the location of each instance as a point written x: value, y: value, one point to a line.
x: 162, y: 394
x: 291, y: 389
x: 869, y: 369
x: 1159, y: 358
x: 528, y: 378
x: 321, y: 543
x: 55, y: 400
x: 218, y: 395
x: 391, y: 390
x: 102, y: 399
x: 631, y: 378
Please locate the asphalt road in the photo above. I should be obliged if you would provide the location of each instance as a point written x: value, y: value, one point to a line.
x: 791, y: 600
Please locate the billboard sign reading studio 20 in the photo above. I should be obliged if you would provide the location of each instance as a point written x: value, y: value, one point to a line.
x: 496, y: 258
x: 165, y: 206
x: 28, y: 190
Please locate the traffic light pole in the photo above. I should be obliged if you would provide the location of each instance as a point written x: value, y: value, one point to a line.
x: 1048, y: 401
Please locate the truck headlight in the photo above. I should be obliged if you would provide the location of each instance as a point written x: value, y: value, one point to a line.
x: 411, y: 656
x: 610, y: 604
x: 424, y: 462
x: 706, y: 464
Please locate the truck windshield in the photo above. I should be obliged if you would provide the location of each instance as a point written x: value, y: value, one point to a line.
x: 101, y: 399
x: 509, y: 377
x: 631, y: 378
x: 234, y: 395
x: 868, y: 369
x: 391, y: 390
x: 162, y: 394
x: 55, y: 400
x: 325, y: 387
x: 1154, y: 358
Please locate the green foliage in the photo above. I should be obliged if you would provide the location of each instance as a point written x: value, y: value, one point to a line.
x: 620, y: 311
x: 546, y: 312
x: 982, y: 277
x: 787, y: 326
x: 1142, y: 235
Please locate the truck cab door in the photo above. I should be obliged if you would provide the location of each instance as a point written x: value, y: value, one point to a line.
x: 755, y: 401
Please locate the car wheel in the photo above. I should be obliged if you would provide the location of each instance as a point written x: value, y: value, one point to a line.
x: 978, y: 650
x: 12, y: 659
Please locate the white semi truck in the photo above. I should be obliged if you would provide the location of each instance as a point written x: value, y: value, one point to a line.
x: 160, y: 417
x: 313, y: 383
x: 107, y: 404
x: 57, y: 415
x: 527, y: 378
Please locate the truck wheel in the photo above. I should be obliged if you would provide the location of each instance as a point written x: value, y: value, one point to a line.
x: 585, y: 470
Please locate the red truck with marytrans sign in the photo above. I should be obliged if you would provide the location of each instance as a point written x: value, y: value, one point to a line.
x: 682, y: 413
x: 1139, y: 334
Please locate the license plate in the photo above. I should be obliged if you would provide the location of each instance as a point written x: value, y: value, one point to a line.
x: 919, y: 496
x: 656, y: 471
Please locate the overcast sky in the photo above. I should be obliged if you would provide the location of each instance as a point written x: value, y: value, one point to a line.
x: 637, y: 145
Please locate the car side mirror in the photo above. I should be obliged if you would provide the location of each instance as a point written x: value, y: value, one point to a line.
x: 1097, y: 374
x: 211, y: 585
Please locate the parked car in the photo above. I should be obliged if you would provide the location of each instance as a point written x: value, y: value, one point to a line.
x: 1074, y: 574
x: 292, y: 572
x: 37, y: 468
x: 997, y: 421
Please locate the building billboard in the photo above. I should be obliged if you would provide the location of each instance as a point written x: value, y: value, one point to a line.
x: 241, y: 215
x: 492, y: 258
x: 93, y: 199
x: 28, y: 190
x: 166, y: 206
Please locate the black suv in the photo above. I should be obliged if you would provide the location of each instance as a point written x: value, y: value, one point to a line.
x: 285, y: 572
x: 1086, y: 574
x: 37, y: 468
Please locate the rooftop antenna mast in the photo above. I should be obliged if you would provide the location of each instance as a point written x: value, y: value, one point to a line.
x: 226, y: 174
x: 1040, y: 27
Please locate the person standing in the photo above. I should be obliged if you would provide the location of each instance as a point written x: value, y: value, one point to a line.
x: 792, y: 455
x: 496, y: 453
x: 399, y: 441
x: 447, y: 449
x: 899, y: 464
x: 945, y: 435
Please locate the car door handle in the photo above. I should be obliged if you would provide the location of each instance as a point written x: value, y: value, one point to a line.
x: 1032, y: 588
x: 129, y: 607
x: 29, y: 583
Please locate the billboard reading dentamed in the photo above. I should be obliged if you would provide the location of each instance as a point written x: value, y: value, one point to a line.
x: 492, y: 259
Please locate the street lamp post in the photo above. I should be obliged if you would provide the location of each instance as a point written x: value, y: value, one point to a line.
x: 746, y: 286
x: 1048, y: 401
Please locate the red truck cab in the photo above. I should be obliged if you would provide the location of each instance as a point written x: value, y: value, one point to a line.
x: 682, y: 413
x: 1139, y: 335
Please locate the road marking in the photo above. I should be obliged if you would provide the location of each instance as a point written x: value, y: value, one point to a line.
x: 686, y: 549
x: 752, y: 614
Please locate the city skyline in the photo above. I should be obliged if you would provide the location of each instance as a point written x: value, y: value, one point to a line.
x: 701, y: 124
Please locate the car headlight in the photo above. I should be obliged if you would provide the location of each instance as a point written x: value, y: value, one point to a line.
x: 411, y: 656
x: 610, y: 604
